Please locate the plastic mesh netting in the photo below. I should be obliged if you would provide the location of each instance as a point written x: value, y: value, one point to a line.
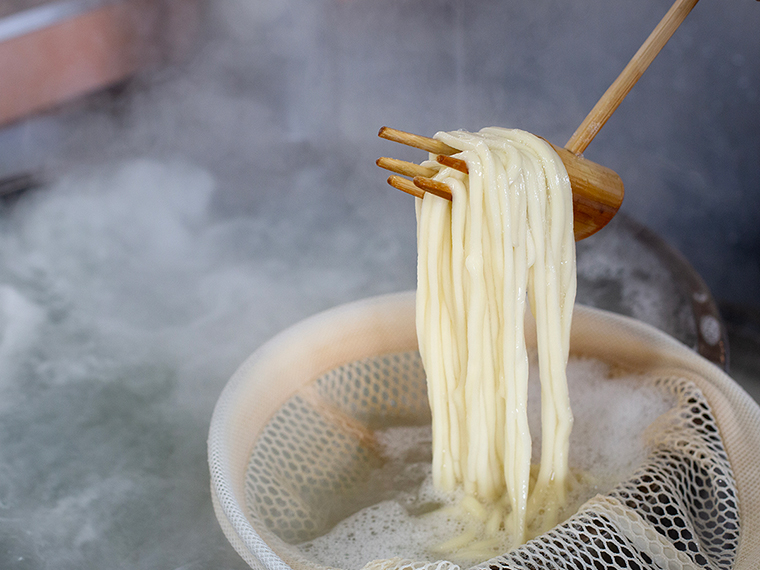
x: 291, y: 447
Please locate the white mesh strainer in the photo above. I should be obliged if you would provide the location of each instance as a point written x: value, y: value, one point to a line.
x: 288, y: 440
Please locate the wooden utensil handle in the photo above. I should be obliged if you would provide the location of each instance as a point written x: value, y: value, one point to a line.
x: 615, y: 94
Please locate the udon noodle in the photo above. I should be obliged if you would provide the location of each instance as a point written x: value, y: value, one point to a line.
x: 505, y: 240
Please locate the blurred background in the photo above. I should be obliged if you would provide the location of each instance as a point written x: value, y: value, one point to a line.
x: 180, y: 180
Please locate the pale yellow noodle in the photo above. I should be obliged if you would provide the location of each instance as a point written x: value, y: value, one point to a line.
x: 506, y: 235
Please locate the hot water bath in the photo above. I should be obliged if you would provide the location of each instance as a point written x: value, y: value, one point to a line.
x: 409, y: 518
x: 194, y: 213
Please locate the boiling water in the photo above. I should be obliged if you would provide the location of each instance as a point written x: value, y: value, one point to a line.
x: 612, y: 412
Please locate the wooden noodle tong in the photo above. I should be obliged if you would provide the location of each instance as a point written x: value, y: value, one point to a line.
x: 597, y: 190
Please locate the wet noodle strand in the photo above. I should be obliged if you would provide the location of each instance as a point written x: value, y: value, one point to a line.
x: 505, y: 239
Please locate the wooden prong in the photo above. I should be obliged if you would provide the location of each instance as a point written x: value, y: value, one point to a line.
x: 404, y: 167
x: 406, y: 185
x: 451, y: 162
x: 433, y: 186
x: 416, y: 141
x: 419, y: 185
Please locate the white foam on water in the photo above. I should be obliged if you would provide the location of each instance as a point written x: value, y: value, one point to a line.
x: 611, y: 411
x: 611, y: 415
